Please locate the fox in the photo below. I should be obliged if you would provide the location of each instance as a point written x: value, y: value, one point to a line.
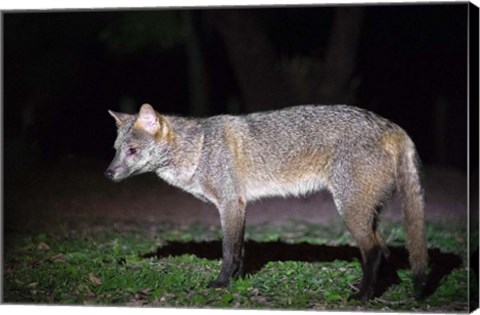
x: 361, y: 158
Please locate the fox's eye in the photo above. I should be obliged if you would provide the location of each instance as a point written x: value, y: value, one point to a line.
x: 131, y: 151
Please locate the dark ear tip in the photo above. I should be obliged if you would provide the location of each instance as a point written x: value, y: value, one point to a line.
x: 120, y: 118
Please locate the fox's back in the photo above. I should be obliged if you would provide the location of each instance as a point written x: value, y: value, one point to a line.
x: 315, y: 125
x: 297, y: 150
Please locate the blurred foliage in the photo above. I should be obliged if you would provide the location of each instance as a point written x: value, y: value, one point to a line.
x: 136, y: 31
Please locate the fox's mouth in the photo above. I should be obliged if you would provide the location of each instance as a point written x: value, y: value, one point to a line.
x: 114, y: 176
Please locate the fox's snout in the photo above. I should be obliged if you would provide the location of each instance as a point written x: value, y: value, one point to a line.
x: 114, y: 174
x: 109, y: 173
x: 116, y: 170
x: 113, y: 171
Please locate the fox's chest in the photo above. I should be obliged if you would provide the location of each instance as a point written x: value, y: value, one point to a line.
x: 186, y: 184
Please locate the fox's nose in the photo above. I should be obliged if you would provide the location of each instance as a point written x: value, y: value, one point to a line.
x: 109, y: 173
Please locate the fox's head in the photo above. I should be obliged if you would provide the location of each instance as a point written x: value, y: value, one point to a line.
x: 143, y: 143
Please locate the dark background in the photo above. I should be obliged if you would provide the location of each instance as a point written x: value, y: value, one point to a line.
x: 63, y: 70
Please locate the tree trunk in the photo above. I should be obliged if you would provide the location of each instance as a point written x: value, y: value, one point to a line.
x: 261, y: 81
x: 197, y: 81
x: 264, y: 84
x: 331, y: 84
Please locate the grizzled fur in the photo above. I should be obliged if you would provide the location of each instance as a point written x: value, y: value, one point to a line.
x: 360, y: 157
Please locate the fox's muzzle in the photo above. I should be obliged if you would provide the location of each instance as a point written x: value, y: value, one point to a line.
x: 116, y: 170
x: 115, y: 174
x: 109, y: 173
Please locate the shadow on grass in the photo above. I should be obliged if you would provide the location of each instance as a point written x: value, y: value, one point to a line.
x: 258, y: 254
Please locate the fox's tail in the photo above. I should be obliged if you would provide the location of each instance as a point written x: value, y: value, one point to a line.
x: 413, y: 205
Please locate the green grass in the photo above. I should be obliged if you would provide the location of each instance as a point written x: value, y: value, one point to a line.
x: 103, y: 265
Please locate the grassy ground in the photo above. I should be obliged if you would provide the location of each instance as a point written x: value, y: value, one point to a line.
x: 117, y: 264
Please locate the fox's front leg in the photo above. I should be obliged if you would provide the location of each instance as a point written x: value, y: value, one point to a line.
x: 232, y: 219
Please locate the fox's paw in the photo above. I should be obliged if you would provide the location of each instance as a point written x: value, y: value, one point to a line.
x: 217, y: 284
x: 363, y: 295
x: 419, y: 282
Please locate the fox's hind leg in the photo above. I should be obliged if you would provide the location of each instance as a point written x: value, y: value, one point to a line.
x: 360, y: 190
x: 361, y: 226
x: 360, y: 213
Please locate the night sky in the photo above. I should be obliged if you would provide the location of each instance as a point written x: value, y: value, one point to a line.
x: 63, y: 70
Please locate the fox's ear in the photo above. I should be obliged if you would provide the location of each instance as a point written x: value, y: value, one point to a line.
x: 153, y: 123
x: 120, y: 118
x: 148, y: 120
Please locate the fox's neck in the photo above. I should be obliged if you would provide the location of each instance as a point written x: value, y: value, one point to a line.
x: 186, y: 149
